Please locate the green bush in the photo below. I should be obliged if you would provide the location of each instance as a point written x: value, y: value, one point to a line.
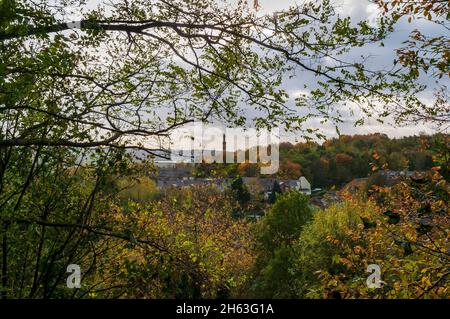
x: 314, y: 252
x: 275, y: 234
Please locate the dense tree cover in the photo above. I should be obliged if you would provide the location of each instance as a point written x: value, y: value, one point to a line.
x: 337, y: 161
x: 241, y: 196
x: 315, y: 253
x: 406, y: 234
x: 404, y: 229
x: 275, y: 235
x: 202, y: 251
x: 188, y: 243
x: 54, y: 215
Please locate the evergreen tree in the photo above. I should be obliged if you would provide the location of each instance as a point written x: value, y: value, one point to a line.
x: 276, y: 189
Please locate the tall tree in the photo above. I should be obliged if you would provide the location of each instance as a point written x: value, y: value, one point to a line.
x: 276, y: 190
x: 276, y: 234
x: 240, y: 194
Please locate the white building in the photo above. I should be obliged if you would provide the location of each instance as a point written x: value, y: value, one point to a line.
x: 304, y: 185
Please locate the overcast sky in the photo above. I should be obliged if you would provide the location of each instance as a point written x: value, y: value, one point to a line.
x: 381, y: 57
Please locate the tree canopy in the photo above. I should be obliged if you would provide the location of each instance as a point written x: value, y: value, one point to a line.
x: 131, y: 72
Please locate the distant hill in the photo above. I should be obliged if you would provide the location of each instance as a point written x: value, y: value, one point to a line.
x: 337, y: 161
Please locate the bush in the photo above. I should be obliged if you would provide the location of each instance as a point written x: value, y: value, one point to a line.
x: 275, y: 234
x: 314, y: 252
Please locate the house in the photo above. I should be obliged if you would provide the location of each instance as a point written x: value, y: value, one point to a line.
x: 166, y: 164
x: 305, y: 186
x: 302, y: 185
x: 390, y: 174
x: 257, y: 185
x: 174, y: 171
x: 180, y: 176
x: 183, y: 182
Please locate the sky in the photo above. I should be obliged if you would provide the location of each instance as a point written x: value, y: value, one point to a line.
x: 381, y: 57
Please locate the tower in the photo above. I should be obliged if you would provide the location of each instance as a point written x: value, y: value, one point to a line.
x: 224, y: 149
